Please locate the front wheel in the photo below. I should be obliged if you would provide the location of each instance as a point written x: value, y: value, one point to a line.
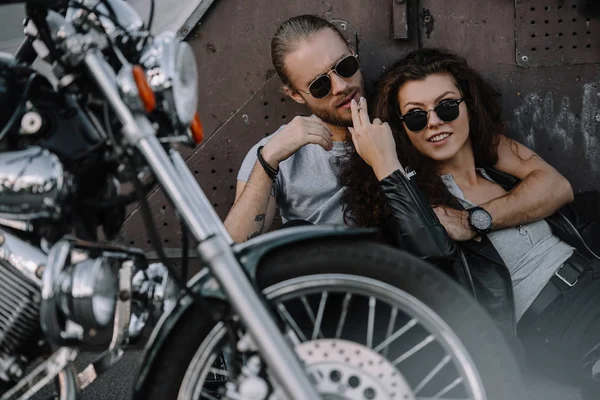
x: 369, y: 322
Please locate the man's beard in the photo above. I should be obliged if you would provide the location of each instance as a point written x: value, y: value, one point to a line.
x: 336, y: 116
x: 333, y: 117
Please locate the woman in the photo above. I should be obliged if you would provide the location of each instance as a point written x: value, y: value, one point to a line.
x: 480, y: 205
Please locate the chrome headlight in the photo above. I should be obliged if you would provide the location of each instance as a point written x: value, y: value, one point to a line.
x: 91, y: 293
x: 94, y: 293
x: 173, y: 76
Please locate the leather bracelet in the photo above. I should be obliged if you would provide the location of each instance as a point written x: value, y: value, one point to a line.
x: 270, y: 171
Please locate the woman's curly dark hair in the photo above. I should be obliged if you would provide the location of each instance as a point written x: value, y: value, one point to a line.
x: 364, y: 203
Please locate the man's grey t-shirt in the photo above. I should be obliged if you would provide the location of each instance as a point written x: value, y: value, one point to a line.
x: 307, y: 185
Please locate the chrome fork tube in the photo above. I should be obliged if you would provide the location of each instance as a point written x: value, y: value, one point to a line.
x: 217, y: 253
x: 214, y: 248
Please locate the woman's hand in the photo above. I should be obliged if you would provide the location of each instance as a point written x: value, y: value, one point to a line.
x: 373, y: 142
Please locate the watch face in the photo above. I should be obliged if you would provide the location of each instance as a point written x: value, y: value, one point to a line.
x: 481, y: 219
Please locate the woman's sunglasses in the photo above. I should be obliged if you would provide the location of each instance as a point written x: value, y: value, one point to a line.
x: 344, y: 68
x: 448, y: 110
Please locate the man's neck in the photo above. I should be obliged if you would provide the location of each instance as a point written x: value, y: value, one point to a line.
x: 340, y: 133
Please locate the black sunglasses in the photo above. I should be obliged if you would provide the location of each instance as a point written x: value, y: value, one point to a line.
x: 345, y: 68
x: 447, y: 111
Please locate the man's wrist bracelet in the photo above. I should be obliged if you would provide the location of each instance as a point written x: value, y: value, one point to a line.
x: 270, y: 171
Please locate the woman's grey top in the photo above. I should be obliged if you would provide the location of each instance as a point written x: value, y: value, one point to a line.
x: 531, y: 252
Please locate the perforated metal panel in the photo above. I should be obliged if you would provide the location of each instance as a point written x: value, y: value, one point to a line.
x: 556, y: 32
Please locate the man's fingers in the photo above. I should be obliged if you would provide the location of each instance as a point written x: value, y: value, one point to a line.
x: 355, y: 117
x: 316, y: 122
x: 319, y: 132
x: 321, y: 141
x: 318, y: 126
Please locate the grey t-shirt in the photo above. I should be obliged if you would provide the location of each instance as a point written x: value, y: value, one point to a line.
x: 307, y: 185
x: 531, y: 252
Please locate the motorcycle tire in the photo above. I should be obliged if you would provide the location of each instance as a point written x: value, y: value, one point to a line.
x: 486, y: 346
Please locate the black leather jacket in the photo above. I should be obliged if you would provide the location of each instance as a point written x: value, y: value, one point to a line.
x: 476, y: 264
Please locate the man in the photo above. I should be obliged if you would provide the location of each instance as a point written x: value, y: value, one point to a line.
x: 294, y: 169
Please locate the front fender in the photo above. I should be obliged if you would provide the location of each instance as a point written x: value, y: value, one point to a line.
x: 249, y: 255
x: 251, y: 252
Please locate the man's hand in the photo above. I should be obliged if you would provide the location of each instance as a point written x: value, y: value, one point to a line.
x: 298, y: 133
x: 373, y: 142
x: 456, y: 223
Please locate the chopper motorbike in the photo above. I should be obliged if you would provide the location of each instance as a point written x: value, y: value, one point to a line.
x: 301, y: 313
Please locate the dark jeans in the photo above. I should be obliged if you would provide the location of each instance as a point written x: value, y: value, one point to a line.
x: 562, y: 342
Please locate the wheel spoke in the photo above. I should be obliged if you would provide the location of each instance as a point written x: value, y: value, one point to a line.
x: 416, y: 348
x: 342, y: 321
x: 448, y: 388
x: 290, y: 320
x: 317, y: 328
x: 396, y: 335
x: 433, y: 373
x: 371, y: 321
x: 309, y: 311
x: 391, y: 324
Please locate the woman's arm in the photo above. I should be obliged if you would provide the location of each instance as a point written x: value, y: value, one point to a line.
x: 413, y: 224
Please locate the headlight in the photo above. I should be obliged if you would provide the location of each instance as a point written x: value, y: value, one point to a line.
x: 173, y: 76
x: 90, y: 293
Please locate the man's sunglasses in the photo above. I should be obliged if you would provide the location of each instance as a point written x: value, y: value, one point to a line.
x: 448, y: 110
x: 344, y: 68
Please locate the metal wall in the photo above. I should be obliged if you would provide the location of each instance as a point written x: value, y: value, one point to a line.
x: 542, y: 54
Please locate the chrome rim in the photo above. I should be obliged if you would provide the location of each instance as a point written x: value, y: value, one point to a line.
x: 394, y: 324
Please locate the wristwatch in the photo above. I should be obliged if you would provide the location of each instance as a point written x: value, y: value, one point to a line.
x: 480, y: 220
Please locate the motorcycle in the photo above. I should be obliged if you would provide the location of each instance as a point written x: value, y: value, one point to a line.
x: 300, y: 313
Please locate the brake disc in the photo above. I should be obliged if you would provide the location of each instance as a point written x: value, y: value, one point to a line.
x: 344, y: 370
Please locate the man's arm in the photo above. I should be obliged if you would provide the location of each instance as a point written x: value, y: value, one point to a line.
x: 254, y: 207
x: 541, y: 192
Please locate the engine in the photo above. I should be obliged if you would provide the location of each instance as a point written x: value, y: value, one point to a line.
x: 21, y: 265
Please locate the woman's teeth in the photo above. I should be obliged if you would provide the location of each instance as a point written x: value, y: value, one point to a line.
x: 438, y: 138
